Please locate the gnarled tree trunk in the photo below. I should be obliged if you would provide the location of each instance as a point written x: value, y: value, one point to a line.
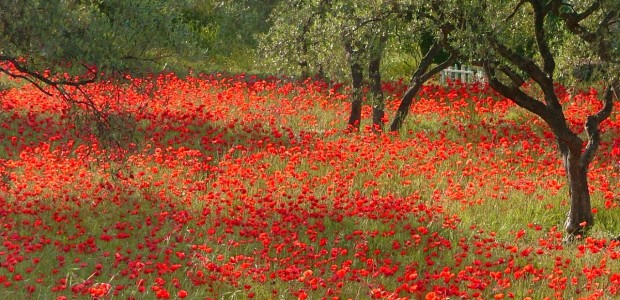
x: 575, y: 156
x: 576, y: 161
x: 579, y: 218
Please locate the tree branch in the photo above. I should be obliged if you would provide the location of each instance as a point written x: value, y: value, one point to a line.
x: 33, y: 82
x: 514, y: 12
x: 438, y: 68
x: 603, y: 45
x: 589, y: 11
x: 517, y: 80
x: 572, y: 19
x: 382, y: 16
x: 525, y: 64
x: 41, y: 78
x: 426, y: 61
x: 552, y: 116
x: 515, y: 94
x: 555, y: 6
x: 594, y: 38
x: 539, y: 30
x: 592, y: 126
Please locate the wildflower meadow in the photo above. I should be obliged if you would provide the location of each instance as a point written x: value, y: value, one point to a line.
x: 237, y: 187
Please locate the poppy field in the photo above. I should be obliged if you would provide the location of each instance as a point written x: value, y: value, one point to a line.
x: 240, y: 188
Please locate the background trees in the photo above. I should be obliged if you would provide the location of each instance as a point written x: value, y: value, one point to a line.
x: 133, y: 36
x: 328, y: 37
x: 228, y: 31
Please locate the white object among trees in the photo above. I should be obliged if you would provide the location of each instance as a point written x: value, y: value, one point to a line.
x: 465, y: 74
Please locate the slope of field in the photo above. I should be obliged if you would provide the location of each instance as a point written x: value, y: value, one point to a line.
x: 237, y: 188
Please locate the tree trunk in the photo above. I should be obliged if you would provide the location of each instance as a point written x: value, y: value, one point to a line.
x: 376, y: 92
x: 405, y: 105
x: 421, y: 75
x: 579, y: 218
x: 540, y: 68
x: 357, y: 76
x: 577, y: 167
x: 575, y: 157
x: 357, y: 80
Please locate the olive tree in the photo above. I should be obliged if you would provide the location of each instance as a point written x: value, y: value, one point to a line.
x: 328, y: 37
x: 228, y: 30
x: 363, y: 27
x: 298, y: 44
x: 334, y: 38
x: 519, y: 43
x: 431, y: 31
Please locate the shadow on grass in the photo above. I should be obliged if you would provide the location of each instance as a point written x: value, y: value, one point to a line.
x: 126, y: 133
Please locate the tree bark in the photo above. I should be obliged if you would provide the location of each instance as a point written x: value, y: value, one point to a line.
x: 357, y: 80
x: 355, y: 118
x: 376, y: 91
x: 579, y: 218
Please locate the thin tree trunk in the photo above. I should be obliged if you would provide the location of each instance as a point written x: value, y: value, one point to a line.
x: 405, y: 105
x: 421, y: 75
x: 357, y: 79
x: 355, y: 118
x: 376, y: 92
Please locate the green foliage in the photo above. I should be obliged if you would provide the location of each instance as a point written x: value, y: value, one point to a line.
x: 426, y: 42
x: 229, y: 31
x: 113, y: 35
x: 511, y: 23
x: 581, y: 59
x: 299, y: 41
x: 308, y: 37
x: 400, y: 60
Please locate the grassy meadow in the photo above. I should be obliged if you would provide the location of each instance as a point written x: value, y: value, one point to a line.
x: 241, y: 188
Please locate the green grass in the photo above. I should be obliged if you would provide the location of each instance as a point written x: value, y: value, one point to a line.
x: 433, y: 198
